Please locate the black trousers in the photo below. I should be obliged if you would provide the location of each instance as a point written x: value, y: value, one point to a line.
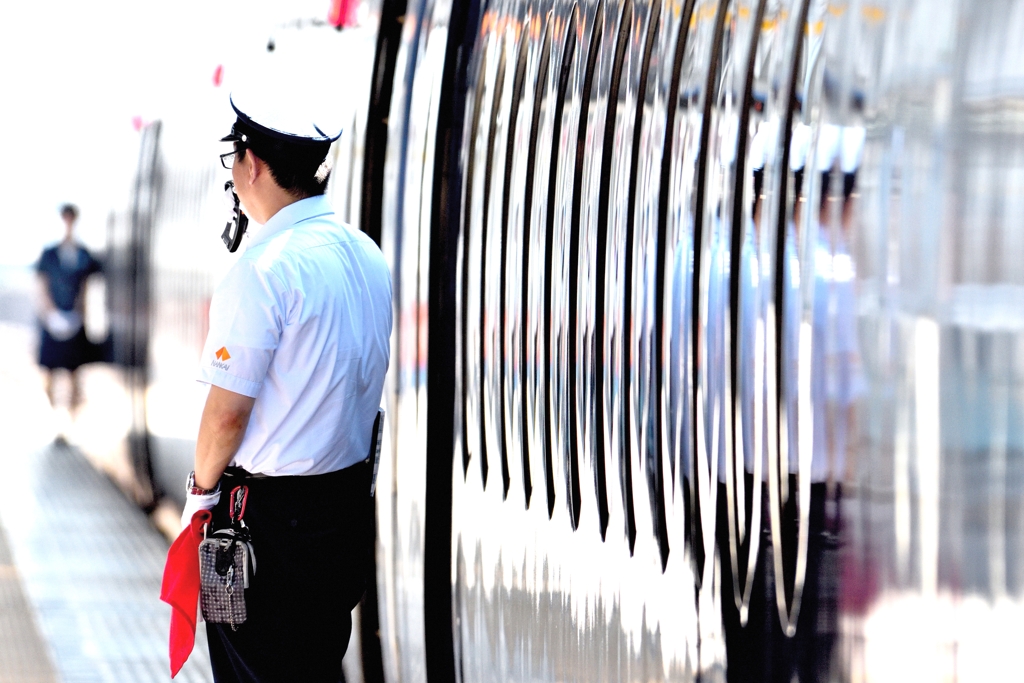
x: 312, y: 537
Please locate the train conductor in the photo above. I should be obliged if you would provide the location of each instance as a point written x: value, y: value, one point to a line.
x: 295, y: 362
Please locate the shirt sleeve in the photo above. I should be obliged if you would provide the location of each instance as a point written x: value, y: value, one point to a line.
x: 247, y: 315
x: 42, y: 265
x: 95, y: 264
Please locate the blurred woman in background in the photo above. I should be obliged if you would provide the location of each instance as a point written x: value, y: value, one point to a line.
x: 62, y: 271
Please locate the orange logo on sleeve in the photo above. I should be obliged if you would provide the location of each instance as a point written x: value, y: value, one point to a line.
x: 222, y: 354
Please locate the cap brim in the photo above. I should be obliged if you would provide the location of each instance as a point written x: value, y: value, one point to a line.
x: 233, y: 136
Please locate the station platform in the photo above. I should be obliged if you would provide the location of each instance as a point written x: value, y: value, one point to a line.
x: 80, y: 564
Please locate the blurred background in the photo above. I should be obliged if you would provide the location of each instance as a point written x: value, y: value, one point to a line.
x: 81, y: 86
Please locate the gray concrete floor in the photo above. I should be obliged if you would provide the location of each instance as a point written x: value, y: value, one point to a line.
x: 80, y: 565
x: 24, y: 657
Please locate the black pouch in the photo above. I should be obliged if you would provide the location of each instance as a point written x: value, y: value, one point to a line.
x: 226, y: 560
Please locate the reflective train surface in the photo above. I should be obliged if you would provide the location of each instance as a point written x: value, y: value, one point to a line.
x: 708, y: 359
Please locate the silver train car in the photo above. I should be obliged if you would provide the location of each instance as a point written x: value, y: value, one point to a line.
x: 708, y: 359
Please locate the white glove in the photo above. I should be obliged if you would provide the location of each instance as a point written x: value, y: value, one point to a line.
x: 62, y: 325
x: 194, y: 504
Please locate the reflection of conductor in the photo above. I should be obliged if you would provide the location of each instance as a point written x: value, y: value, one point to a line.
x: 63, y: 270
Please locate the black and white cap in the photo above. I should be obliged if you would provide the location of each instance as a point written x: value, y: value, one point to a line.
x: 286, y: 122
x: 283, y: 116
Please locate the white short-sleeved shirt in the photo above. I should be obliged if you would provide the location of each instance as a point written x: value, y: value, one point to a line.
x: 836, y: 383
x: 302, y: 323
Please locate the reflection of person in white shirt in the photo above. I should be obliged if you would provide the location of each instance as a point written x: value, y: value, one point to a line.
x: 833, y: 390
x: 679, y: 349
x: 719, y: 308
x: 716, y: 358
x: 741, y: 527
x: 752, y: 292
x: 837, y: 381
x: 834, y: 351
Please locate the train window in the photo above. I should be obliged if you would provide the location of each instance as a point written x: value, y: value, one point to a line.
x: 573, y: 465
x: 602, y: 248
x: 531, y: 160
x: 563, y: 84
x: 499, y: 82
x: 517, y: 96
x: 466, y: 213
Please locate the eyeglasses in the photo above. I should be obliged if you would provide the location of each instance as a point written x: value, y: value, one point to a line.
x: 227, y: 159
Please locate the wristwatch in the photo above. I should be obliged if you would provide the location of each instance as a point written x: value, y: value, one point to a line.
x: 193, y: 490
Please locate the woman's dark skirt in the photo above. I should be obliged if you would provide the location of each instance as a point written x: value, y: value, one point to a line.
x: 69, y: 354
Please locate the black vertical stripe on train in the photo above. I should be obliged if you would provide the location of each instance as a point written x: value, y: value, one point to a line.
x: 556, y: 132
x: 499, y: 82
x: 467, y: 214
x: 600, y: 477
x: 625, y: 455
x: 531, y: 160
x: 145, y: 199
x: 780, y: 235
x: 739, y: 225
x: 444, y: 236
x: 375, y: 147
x: 573, y: 464
x: 517, y: 94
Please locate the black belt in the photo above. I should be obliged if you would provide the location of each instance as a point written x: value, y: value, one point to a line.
x: 360, y: 474
x: 232, y: 472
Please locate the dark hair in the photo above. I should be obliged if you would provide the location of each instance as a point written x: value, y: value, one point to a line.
x: 826, y: 184
x: 293, y: 165
x: 849, y: 184
x: 69, y: 208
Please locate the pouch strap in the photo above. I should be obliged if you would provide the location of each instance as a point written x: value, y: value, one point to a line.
x: 239, y: 497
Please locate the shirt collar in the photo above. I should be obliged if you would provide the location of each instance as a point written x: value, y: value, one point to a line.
x: 296, y: 212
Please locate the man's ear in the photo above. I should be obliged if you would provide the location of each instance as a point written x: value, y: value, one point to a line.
x: 256, y: 167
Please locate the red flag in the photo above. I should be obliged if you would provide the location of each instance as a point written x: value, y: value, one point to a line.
x: 180, y: 589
